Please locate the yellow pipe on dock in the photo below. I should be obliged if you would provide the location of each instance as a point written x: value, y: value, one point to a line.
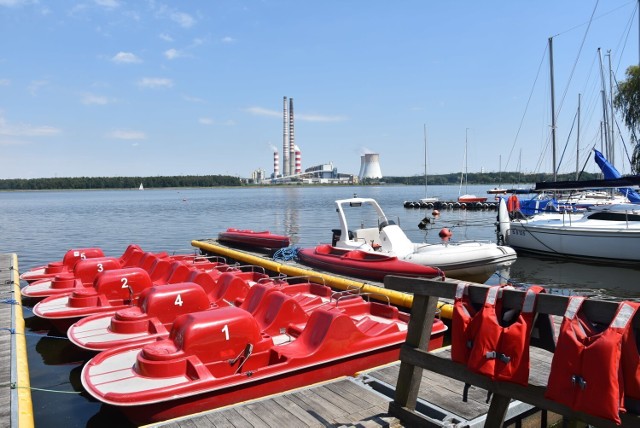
x: 25, y: 404
x: 395, y: 297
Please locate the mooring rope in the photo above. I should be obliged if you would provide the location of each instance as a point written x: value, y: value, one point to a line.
x: 286, y: 254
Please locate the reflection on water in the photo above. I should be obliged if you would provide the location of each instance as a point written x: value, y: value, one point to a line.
x: 41, y: 226
x: 568, y: 277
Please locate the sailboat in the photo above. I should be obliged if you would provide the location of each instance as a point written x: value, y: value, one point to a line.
x: 427, y: 198
x: 498, y: 190
x: 141, y: 187
x: 467, y: 198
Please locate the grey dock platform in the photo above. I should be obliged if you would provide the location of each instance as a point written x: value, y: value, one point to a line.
x: 16, y: 409
x: 363, y: 401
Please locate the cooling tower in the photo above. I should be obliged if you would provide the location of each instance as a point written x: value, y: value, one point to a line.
x: 370, y: 166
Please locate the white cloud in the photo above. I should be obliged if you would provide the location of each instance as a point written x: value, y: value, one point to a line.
x: 109, y: 4
x: 11, y: 142
x: 34, y: 86
x: 183, y: 19
x: 14, y: 3
x: 166, y: 37
x: 319, y: 118
x: 155, y: 82
x: 260, y: 111
x: 192, y: 99
x: 205, y: 121
x: 5, y: 82
x: 26, y: 130
x: 125, y: 58
x: 228, y: 39
x: 91, y: 99
x: 127, y: 135
x: 172, y: 54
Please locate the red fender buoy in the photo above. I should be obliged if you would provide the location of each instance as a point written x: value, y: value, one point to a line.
x: 445, y: 234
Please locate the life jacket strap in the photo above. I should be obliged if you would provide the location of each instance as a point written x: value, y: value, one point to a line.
x: 492, y: 355
x: 579, y: 381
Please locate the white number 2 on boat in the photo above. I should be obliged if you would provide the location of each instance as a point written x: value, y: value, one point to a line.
x: 124, y: 282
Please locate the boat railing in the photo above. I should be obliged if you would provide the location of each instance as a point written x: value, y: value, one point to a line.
x: 366, y: 296
x: 305, y: 278
x: 349, y: 293
x: 251, y: 268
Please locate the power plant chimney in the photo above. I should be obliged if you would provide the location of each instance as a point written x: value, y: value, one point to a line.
x: 292, y: 146
x: 370, y: 166
x: 285, y: 139
x: 276, y: 164
x: 298, y: 161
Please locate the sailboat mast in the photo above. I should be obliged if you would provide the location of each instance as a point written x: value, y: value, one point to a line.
x: 605, y: 118
x: 611, y: 127
x: 578, y: 141
x: 425, y: 160
x: 553, y: 109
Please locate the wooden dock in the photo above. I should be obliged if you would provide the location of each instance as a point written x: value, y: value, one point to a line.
x: 15, y: 396
x: 363, y: 401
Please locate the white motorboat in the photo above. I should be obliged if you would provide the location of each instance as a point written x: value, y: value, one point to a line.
x: 466, y: 260
x: 607, y: 233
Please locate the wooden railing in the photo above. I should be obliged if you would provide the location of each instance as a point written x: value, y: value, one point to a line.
x: 414, y: 357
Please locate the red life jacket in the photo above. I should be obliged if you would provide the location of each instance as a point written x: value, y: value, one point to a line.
x: 464, y: 324
x: 502, y: 351
x: 586, y: 373
x: 513, y: 203
x: 630, y: 361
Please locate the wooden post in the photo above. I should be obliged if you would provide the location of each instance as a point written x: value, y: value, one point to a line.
x: 423, y: 312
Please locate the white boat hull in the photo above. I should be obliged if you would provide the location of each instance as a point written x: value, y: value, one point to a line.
x: 473, y: 261
x: 584, y: 236
x: 469, y: 261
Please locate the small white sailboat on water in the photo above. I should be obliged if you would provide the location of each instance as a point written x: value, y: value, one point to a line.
x: 427, y: 198
x: 141, y: 187
x: 467, y: 198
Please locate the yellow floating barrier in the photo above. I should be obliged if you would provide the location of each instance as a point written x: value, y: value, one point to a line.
x: 395, y: 297
x: 25, y: 404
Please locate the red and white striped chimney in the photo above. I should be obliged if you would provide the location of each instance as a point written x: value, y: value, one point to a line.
x: 292, y: 144
x: 285, y: 139
x: 276, y: 164
x: 298, y: 160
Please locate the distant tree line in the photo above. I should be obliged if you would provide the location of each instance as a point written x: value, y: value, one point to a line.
x: 81, y: 183
x: 66, y: 183
x: 491, y: 178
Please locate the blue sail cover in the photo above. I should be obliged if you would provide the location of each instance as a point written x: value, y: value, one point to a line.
x: 610, y: 172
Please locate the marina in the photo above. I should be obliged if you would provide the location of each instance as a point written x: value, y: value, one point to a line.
x: 55, y: 364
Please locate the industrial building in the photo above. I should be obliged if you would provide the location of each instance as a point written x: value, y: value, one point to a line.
x: 290, y: 170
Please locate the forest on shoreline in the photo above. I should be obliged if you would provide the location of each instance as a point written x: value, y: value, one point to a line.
x: 86, y: 183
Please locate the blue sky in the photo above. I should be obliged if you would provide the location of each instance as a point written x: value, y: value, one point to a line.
x: 123, y: 88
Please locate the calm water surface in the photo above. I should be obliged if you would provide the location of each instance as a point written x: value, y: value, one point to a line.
x: 41, y: 226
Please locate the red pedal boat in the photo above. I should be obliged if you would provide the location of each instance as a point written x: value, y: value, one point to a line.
x: 158, y: 307
x: 219, y: 357
x: 69, y: 260
x: 84, y: 272
x: 112, y: 290
x: 264, y: 239
x: 362, y: 264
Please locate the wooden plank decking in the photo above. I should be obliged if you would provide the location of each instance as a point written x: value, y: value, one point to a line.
x: 6, y: 288
x: 363, y: 401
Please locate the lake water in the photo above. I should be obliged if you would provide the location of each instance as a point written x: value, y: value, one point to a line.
x: 41, y: 226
